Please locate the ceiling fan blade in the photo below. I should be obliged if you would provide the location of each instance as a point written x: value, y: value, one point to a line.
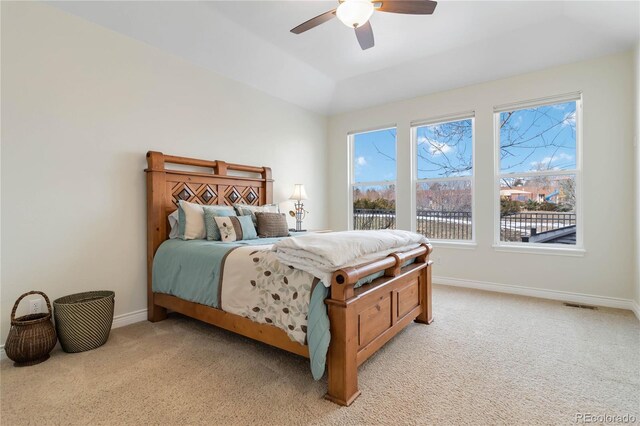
x: 411, y: 7
x: 314, y: 22
x: 364, y: 33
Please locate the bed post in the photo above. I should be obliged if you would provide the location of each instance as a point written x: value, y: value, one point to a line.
x: 400, y: 298
x: 342, y: 359
x: 156, y: 225
x: 268, y: 193
x: 426, y: 316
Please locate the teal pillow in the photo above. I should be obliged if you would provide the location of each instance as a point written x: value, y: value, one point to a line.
x: 248, y: 229
x: 181, y: 222
x: 213, y: 233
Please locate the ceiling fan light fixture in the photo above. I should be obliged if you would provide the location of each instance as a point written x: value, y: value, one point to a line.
x: 354, y: 13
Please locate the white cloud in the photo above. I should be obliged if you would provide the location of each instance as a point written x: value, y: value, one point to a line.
x: 563, y: 156
x: 361, y: 161
x: 546, y: 162
x: 569, y: 119
x: 542, y: 164
x: 437, y: 148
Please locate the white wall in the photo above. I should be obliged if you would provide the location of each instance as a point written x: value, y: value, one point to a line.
x: 607, y: 267
x: 637, y: 175
x: 81, y: 106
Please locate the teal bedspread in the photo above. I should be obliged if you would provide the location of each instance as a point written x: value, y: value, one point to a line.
x: 190, y: 270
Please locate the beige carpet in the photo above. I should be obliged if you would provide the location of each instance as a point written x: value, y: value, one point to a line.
x: 487, y: 359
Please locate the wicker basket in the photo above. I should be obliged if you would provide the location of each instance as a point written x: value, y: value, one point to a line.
x: 32, y: 336
x: 83, y: 320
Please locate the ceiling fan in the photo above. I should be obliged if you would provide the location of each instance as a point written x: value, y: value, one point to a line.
x: 356, y: 13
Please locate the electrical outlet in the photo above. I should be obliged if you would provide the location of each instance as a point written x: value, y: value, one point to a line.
x: 35, y: 306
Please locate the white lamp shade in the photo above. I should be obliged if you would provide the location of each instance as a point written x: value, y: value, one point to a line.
x: 299, y: 193
x: 354, y: 13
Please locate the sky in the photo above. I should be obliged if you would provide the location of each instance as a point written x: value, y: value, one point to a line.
x: 374, y: 156
x: 541, y: 138
x: 445, y: 150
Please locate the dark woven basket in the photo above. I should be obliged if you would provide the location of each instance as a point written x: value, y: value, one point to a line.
x: 83, y: 320
x: 32, y: 336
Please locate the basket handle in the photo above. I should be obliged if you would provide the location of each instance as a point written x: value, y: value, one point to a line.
x: 15, y: 306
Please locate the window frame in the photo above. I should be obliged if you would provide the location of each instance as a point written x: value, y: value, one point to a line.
x: 352, y: 175
x: 449, y: 118
x: 540, y: 248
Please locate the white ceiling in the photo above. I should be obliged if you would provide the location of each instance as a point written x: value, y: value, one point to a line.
x: 324, y: 70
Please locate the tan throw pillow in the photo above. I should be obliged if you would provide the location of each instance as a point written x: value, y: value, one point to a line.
x: 272, y: 225
x: 235, y: 228
x: 193, y: 221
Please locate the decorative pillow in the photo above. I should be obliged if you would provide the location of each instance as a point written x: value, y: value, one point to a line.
x: 191, y: 220
x: 247, y: 210
x: 235, y: 228
x: 173, y: 223
x: 213, y: 233
x: 272, y: 225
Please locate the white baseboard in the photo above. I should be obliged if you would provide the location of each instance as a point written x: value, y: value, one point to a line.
x: 130, y: 318
x: 636, y: 308
x: 118, y: 321
x: 563, y: 296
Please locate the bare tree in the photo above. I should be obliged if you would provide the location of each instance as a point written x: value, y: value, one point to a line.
x: 445, y: 152
x: 568, y: 192
x: 445, y: 196
x: 544, y: 131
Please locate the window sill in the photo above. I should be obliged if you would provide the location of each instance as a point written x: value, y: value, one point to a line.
x: 560, y: 251
x: 470, y: 245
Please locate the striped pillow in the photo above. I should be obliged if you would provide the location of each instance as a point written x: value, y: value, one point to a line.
x: 272, y: 225
x: 248, y: 210
x: 236, y: 228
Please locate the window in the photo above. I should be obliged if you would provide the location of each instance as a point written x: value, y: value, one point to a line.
x: 373, y: 179
x: 444, y: 186
x: 538, y: 173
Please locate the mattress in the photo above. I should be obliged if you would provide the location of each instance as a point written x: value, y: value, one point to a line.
x: 194, y: 270
x: 245, y: 278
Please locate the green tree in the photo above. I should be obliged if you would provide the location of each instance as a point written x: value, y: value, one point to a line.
x: 508, y: 206
x: 375, y: 204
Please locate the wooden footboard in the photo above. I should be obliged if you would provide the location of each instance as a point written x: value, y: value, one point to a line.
x: 364, y: 319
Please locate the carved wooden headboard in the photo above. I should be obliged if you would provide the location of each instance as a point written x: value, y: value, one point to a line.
x: 166, y: 186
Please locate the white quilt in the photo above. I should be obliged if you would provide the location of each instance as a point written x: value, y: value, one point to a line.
x: 321, y: 254
x: 256, y: 286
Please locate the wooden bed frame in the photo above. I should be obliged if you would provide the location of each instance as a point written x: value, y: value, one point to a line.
x: 361, y: 320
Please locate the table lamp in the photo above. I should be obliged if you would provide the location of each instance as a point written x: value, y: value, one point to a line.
x: 299, y: 194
